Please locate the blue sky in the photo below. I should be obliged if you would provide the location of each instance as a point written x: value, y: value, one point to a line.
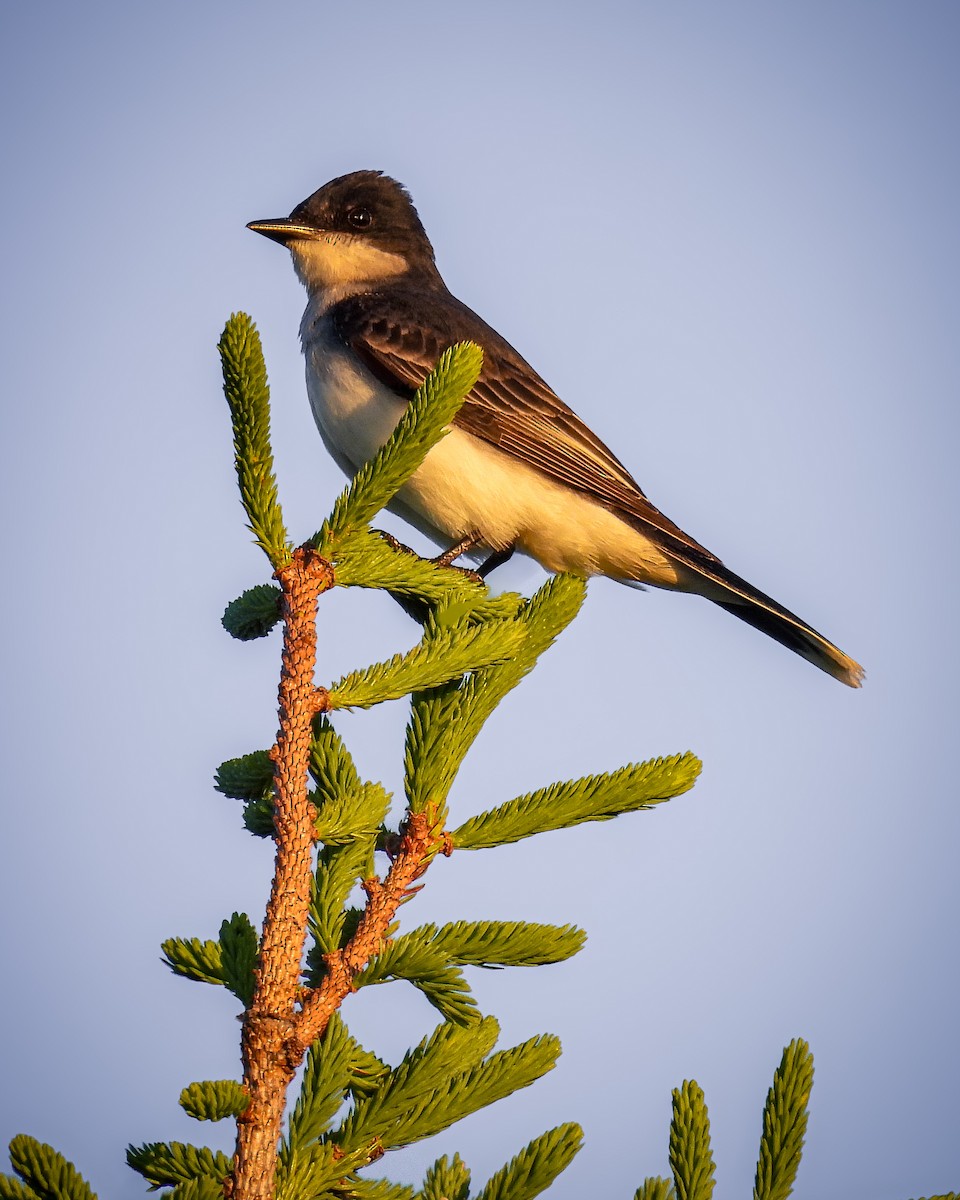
x: 727, y: 236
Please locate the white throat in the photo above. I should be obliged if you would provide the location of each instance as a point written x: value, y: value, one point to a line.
x: 342, y: 262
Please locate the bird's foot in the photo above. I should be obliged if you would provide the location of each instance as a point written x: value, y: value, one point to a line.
x: 496, y: 559
x: 395, y: 543
x: 447, y: 558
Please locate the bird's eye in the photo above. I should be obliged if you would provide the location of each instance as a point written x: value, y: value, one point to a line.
x: 360, y: 218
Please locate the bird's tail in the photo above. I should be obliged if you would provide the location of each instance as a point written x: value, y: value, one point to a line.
x: 713, y: 580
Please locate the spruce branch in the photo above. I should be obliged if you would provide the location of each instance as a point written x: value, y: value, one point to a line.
x: 339, y: 870
x: 508, y: 943
x: 593, y: 798
x: 228, y: 962
x: 254, y: 613
x: 268, y: 1065
x: 447, y: 1052
x: 45, y: 1173
x: 784, y: 1123
x: 536, y: 1166
x: 445, y: 721
x: 421, y: 837
x: 238, y: 956
x: 690, y: 1158
x: 443, y: 1081
x: 248, y: 395
x: 446, y: 1180
x: 11, y: 1188
x: 428, y: 969
x: 445, y: 656
x: 473, y: 943
x: 326, y: 1082
x: 213, y: 1099
x: 194, y: 959
x: 356, y: 1188
x: 247, y: 778
x: 204, y: 1187
x: 165, y: 1164
x: 364, y: 559
x: 318, y: 1168
x: 655, y: 1187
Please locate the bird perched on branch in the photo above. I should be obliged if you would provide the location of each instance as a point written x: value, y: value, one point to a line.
x: 519, y: 470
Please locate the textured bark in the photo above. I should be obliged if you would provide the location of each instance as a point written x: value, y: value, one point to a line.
x: 269, y: 1022
x: 419, y: 843
x: 284, y: 1018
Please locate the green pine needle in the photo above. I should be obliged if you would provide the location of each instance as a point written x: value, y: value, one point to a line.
x: 12, y: 1189
x: 446, y: 1180
x: 655, y: 1188
x: 331, y: 763
x: 446, y: 655
x: 690, y: 1158
x: 228, y: 962
x: 431, y: 971
x: 239, y: 946
x: 357, y: 1188
x: 390, y: 1112
x: 258, y: 817
x: 423, y: 424
x: 46, y: 1174
x: 248, y: 395
x: 358, y: 814
x: 445, y: 722
x: 476, y: 944
x: 247, y: 778
x: 316, y: 1170
x: 508, y: 943
x: 363, y: 559
x: 784, y: 1123
x: 213, y: 1099
x: 326, y: 1080
x: 536, y: 1166
x: 346, y: 807
x: 420, y: 1111
x: 339, y: 869
x: 201, y: 1188
x: 593, y: 798
x: 194, y: 959
x: 367, y: 1072
x: 165, y: 1164
x: 254, y: 613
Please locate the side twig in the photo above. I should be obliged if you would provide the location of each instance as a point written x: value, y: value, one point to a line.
x: 420, y: 839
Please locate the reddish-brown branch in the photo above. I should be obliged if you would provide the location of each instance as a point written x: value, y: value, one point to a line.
x: 283, y: 1019
x: 419, y: 842
x: 270, y: 1019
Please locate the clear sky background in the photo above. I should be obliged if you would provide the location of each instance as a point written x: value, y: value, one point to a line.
x: 728, y: 236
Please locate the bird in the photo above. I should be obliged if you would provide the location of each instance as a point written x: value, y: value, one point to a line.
x: 518, y: 470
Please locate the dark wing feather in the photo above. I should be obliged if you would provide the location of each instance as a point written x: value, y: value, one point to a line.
x: 400, y: 333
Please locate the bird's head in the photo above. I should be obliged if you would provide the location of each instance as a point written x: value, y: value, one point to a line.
x: 357, y: 230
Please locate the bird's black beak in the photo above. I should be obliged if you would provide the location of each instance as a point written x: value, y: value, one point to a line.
x: 283, y: 230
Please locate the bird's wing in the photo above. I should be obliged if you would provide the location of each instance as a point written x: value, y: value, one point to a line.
x: 400, y: 335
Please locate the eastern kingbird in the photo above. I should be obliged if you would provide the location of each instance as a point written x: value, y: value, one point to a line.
x: 519, y: 469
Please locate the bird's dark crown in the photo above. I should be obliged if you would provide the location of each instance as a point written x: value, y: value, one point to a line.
x: 369, y: 205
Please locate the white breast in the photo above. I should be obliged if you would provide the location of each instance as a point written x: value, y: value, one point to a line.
x: 465, y: 484
x: 354, y: 412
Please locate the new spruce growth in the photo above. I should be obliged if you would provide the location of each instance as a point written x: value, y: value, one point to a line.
x: 317, y: 943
